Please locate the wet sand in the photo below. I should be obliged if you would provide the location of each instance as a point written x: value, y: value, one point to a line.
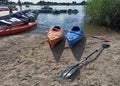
x: 28, y: 60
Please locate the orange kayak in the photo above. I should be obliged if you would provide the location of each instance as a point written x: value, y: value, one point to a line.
x: 55, y: 35
x: 17, y: 29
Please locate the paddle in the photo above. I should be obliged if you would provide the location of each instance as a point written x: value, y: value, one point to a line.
x: 66, y: 74
x: 105, y: 40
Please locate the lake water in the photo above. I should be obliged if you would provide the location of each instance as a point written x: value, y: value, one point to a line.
x: 64, y: 20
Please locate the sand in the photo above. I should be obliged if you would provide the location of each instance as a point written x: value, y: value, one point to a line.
x: 4, y: 13
x: 28, y: 60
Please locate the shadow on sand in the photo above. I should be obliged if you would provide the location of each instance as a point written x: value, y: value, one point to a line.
x: 79, y: 48
x: 58, y: 50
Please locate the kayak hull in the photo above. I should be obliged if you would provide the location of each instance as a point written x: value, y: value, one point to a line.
x: 73, y: 37
x: 55, y: 36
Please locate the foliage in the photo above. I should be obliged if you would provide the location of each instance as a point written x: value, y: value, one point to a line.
x: 11, y: 3
x: 62, y: 3
x: 104, y: 12
x: 28, y: 3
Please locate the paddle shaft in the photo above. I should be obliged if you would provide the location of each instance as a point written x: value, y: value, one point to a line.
x: 90, y: 55
x: 105, y: 40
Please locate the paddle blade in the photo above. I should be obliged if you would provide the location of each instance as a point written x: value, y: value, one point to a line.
x: 105, y: 45
x: 66, y: 74
x: 107, y: 41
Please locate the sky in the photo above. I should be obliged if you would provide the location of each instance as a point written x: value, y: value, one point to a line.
x: 35, y: 1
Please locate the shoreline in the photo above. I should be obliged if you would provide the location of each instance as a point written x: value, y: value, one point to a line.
x: 28, y: 60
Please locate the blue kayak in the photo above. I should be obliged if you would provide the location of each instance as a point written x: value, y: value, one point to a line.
x: 74, y: 35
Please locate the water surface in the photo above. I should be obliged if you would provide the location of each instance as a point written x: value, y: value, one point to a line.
x: 64, y: 20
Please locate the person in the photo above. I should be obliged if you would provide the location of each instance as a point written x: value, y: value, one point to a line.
x: 10, y: 9
x: 20, y: 4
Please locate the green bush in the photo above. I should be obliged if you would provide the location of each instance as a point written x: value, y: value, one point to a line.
x: 104, y: 12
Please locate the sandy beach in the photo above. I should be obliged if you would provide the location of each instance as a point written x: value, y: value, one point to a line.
x: 28, y: 60
x: 4, y: 13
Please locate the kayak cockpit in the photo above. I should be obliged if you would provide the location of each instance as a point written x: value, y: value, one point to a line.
x: 75, y: 28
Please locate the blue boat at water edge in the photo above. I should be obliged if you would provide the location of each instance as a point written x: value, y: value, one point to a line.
x: 74, y: 35
x: 46, y: 9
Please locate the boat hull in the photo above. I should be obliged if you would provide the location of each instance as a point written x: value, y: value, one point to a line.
x: 17, y: 29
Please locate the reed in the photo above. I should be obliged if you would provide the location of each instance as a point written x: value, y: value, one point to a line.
x: 104, y: 12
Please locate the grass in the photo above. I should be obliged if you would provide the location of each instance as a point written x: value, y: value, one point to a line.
x: 104, y: 12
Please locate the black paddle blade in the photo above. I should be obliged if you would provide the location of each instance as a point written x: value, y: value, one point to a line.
x: 69, y: 71
x: 105, y: 45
